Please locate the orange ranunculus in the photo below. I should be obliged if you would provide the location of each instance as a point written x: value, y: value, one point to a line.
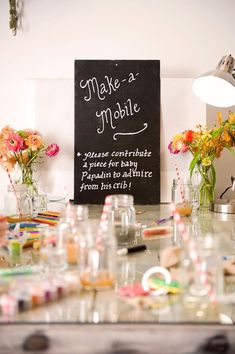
x: 34, y: 142
x: 5, y: 132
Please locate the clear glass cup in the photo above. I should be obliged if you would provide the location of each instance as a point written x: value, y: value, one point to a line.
x: 18, y: 204
x: 202, y: 279
x: 122, y: 216
x: 182, y: 196
x: 97, y: 255
x: 52, y: 254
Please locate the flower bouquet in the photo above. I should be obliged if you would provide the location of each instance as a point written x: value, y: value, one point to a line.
x: 23, y: 149
x: 206, y: 145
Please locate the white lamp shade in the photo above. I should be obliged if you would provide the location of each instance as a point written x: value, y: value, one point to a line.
x: 217, y: 87
x: 214, y: 91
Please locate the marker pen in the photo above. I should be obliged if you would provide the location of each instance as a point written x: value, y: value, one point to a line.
x: 132, y: 249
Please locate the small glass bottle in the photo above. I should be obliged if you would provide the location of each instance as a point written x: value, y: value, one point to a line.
x: 181, y: 196
x: 68, y: 233
x: 122, y: 216
x: 18, y: 204
x: 97, y: 255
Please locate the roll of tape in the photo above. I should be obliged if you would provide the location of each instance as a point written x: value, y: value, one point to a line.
x: 156, y: 270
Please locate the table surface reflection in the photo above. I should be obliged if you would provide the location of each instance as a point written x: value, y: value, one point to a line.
x: 107, y: 306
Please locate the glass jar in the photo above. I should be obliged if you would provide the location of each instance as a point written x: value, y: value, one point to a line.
x: 182, y: 196
x: 68, y: 231
x: 201, y: 279
x: 39, y: 198
x: 97, y: 255
x: 122, y: 216
x: 18, y: 204
x: 52, y: 254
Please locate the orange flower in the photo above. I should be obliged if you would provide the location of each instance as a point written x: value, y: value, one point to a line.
x: 188, y: 136
x: 9, y: 164
x: 34, y: 142
x: 6, y: 131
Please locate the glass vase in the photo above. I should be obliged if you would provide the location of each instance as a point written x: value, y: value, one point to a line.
x: 26, y: 175
x: 18, y: 203
x: 207, y: 184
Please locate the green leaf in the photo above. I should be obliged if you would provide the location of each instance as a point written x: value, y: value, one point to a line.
x: 193, y: 163
x: 216, y: 132
x: 213, y: 175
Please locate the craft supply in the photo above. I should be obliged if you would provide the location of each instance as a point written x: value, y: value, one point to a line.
x: 132, y: 249
x: 9, y: 305
x: 228, y: 257
x: 37, y: 295
x: 156, y: 270
x: 157, y: 231
x: 133, y: 290
x: 162, y: 221
x: 15, y: 251
x: 23, y: 299
x: 8, y: 272
x: 184, y: 209
x: 172, y: 288
x: 102, y: 280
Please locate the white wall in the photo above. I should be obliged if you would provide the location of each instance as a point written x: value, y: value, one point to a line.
x: 188, y: 36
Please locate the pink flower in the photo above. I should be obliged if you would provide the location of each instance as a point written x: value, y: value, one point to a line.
x: 15, y: 143
x: 172, y: 149
x: 52, y: 150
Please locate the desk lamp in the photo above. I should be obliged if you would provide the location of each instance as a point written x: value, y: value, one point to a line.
x: 217, y: 88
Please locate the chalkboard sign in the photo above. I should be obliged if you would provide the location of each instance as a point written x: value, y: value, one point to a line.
x: 117, y: 130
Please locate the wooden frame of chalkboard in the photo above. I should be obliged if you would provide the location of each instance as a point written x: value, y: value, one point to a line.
x: 117, y: 130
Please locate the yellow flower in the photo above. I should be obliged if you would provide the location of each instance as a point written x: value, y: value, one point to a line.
x: 231, y: 118
x: 206, y: 161
x: 220, y: 118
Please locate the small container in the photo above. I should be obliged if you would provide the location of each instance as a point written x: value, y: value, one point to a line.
x: 39, y: 199
x: 52, y: 256
x: 68, y: 230
x: 122, y: 216
x: 201, y: 278
x: 182, y: 196
x: 18, y: 204
x: 97, y: 255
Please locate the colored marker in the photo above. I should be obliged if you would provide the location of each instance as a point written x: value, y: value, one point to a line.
x: 132, y: 249
x: 232, y: 256
x: 161, y: 221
